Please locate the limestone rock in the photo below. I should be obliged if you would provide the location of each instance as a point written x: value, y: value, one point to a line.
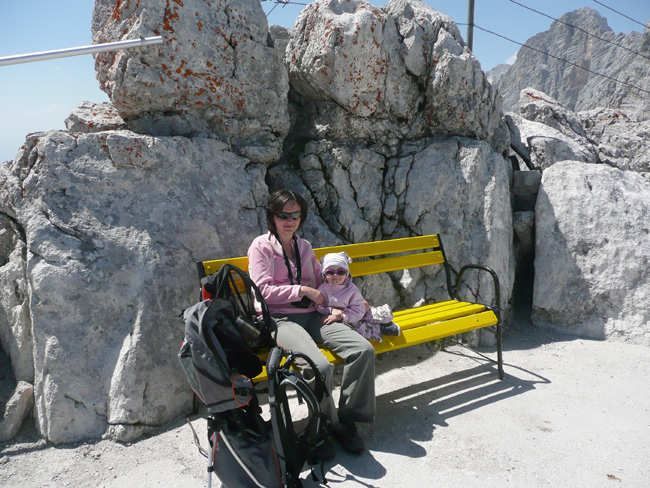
x: 113, y: 223
x: 384, y: 75
x: 494, y: 74
x: 621, y: 141
x: 15, y: 326
x: 101, y: 230
x: 16, y: 410
x: 94, y: 117
x: 576, y: 88
x: 280, y: 36
x: 216, y: 73
x: 592, y: 252
x: 456, y: 186
x: 517, y: 144
x: 547, y: 145
x: 537, y: 106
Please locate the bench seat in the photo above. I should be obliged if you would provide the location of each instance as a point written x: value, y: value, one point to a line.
x: 418, y: 324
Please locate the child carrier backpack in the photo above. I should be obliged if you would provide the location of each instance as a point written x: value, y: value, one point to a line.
x: 296, y: 447
x: 234, y: 285
x: 219, y: 362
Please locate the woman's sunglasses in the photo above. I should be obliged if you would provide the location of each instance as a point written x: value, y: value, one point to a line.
x: 289, y: 215
x: 340, y: 272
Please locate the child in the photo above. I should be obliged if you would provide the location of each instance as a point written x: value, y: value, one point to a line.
x: 344, y: 302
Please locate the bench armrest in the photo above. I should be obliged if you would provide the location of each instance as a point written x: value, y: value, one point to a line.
x: 495, y: 283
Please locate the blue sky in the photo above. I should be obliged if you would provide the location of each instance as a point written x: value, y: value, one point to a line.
x: 39, y: 96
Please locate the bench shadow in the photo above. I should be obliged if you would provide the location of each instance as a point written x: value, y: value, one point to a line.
x: 410, y: 415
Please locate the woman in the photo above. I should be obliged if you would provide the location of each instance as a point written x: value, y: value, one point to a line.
x: 287, y: 272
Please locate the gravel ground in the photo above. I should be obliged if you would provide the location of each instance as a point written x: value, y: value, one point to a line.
x: 570, y: 412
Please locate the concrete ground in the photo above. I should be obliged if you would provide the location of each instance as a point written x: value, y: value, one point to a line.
x: 570, y: 412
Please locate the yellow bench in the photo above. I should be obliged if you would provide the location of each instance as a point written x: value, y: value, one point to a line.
x: 419, y: 324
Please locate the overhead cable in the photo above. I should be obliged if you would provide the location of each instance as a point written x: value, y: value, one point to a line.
x: 580, y: 29
x: 562, y: 59
x: 619, y: 13
x: 283, y: 3
x: 272, y: 9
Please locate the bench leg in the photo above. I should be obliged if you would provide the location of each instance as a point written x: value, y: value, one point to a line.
x: 499, y: 351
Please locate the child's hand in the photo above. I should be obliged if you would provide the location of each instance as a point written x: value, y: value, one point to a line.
x: 335, y: 316
x: 366, y: 305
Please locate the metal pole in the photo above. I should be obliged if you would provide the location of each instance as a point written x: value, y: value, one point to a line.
x: 77, y: 51
x: 470, y: 25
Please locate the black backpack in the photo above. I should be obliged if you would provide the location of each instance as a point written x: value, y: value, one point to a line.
x: 219, y: 362
x: 232, y: 284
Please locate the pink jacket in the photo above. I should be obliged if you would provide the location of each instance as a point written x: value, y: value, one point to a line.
x: 346, y: 297
x: 268, y: 270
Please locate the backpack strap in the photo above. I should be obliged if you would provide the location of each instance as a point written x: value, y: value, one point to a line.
x: 294, y: 449
x: 320, y: 389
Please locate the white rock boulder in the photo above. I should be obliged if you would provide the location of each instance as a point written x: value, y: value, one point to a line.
x: 592, y: 252
x: 113, y: 223
x: 216, y: 73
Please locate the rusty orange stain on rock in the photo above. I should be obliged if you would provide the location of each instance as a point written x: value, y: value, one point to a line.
x: 116, y: 11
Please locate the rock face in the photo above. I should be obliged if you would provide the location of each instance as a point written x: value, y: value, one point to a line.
x: 386, y: 75
x: 592, y: 257
x: 381, y: 118
x: 94, y: 117
x: 577, y: 88
x: 395, y: 131
x: 549, y: 132
x: 494, y: 74
x: 15, y: 326
x: 215, y: 75
x: 591, y: 219
x: 362, y: 195
x: 16, y: 410
x: 621, y: 141
x: 111, y: 223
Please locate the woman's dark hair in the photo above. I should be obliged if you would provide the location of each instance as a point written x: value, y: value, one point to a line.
x: 277, y: 200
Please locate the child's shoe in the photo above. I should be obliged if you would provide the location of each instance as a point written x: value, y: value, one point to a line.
x: 391, y: 329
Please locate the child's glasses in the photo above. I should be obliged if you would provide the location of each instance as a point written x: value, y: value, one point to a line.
x: 288, y: 215
x: 339, y: 272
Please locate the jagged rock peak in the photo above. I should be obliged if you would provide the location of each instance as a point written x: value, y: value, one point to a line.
x: 618, y: 56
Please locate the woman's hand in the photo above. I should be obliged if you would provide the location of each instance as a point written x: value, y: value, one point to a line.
x: 335, y: 316
x: 313, y: 294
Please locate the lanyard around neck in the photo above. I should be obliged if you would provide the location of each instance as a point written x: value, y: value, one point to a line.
x: 298, y: 263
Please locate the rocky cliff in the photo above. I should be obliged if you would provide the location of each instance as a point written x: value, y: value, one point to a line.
x: 591, y: 251
x: 625, y: 57
x: 380, y: 117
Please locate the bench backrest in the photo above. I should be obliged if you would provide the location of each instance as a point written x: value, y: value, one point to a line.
x: 367, y: 257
